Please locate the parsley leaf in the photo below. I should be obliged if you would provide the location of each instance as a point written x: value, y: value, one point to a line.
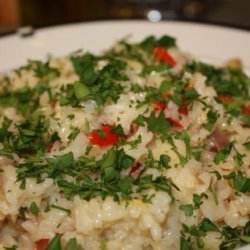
x: 185, y: 244
x: 61, y: 208
x: 214, y: 194
x: 207, y: 225
x: 158, y: 67
x: 55, y: 243
x: 238, y: 158
x: 188, y: 209
x: 85, y: 67
x: 245, y: 120
x: 13, y: 247
x: 74, y: 133
x: 183, y: 135
x: 158, y: 124
x: 212, y: 117
x: 73, y: 245
x: 197, y: 199
x: 139, y: 121
x: 21, y: 213
x: 81, y: 90
x: 150, y: 42
x: 34, y: 208
x: 223, y: 153
x: 247, y: 145
x: 241, y: 183
x: 117, y: 129
x: 165, y: 160
x: 43, y: 69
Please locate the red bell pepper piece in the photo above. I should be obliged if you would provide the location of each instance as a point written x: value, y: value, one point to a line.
x: 184, y: 107
x: 109, y: 138
x: 245, y: 110
x: 134, y: 168
x: 225, y: 99
x: 159, y: 106
x: 161, y: 55
x: 42, y: 244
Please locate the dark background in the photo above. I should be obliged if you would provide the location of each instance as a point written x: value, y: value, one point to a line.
x: 42, y: 13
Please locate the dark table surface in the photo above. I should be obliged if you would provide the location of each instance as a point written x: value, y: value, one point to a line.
x: 35, y: 13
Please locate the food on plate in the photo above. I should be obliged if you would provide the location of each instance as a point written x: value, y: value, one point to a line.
x: 141, y: 147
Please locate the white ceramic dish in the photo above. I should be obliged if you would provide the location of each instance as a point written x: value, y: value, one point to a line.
x: 211, y: 43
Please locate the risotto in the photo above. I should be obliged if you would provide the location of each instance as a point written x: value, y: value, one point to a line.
x: 140, y: 148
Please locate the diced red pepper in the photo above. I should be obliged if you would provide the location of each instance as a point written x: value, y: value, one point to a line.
x: 134, y: 168
x: 175, y: 123
x: 184, y: 107
x: 161, y: 55
x: 108, y: 139
x: 245, y: 110
x: 42, y: 244
x: 225, y: 99
x: 159, y: 106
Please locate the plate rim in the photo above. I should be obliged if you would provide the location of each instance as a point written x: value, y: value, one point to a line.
x: 128, y: 21
x: 109, y: 24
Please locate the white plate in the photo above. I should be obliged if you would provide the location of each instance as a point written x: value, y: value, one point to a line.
x: 212, y: 43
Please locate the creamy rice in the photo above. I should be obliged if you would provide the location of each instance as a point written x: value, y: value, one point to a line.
x: 140, y: 148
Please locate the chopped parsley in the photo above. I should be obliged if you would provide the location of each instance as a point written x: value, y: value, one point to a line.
x: 226, y: 81
x: 192, y: 237
x: 247, y: 145
x: 43, y: 69
x: 31, y: 137
x: 117, y: 129
x: 151, y: 41
x: 197, y: 201
x: 96, y: 85
x: 20, y: 99
x: 73, y: 245
x: 139, y: 121
x: 242, y: 183
x: 157, y: 67
x: 223, y: 153
x: 13, y: 247
x: 188, y: 209
x: 162, y: 163
x: 158, y: 124
x: 109, y: 183
x: 234, y: 238
x: 212, y: 117
x: 61, y: 208
x: 55, y: 243
x: 34, y: 208
x: 74, y: 133
x: 214, y: 194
